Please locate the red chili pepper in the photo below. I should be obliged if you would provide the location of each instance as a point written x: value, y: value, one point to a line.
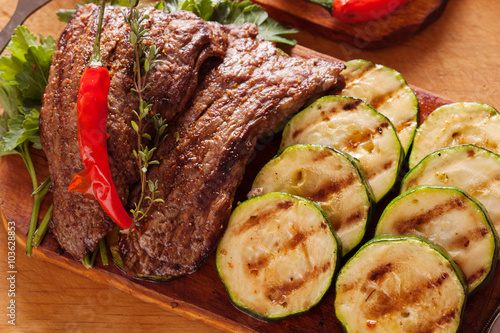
x: 95, y: 181
x: 364, y: 10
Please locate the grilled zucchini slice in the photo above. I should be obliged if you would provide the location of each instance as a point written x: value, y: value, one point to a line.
x: 330, y: 178
x: 450, y: 218
x: 278, y: 256
x: 354, y: 127
x: 385, y: 90
x: 473, y: 169
x: 400, y: 284
x: 456, y: 124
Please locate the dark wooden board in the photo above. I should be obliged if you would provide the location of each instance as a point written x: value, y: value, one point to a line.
x: 389, y: 30
x: 199, y: 296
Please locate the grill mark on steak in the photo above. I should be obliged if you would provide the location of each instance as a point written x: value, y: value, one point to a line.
x: 250, y: 92
x: 184, y: 42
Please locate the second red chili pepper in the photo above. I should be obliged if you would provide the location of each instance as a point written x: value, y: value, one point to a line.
x: 364, y: 10
x: 95, y: 181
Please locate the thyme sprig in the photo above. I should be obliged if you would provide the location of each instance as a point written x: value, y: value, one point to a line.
x: 145, y: 57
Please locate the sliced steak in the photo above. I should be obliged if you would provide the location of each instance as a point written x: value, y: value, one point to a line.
x: 203, y: 161
x: 184, y: 42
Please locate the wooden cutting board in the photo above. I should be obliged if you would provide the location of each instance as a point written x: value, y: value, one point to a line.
x: 455, y: 57
x: 386, y: 31
x: 201, y: 295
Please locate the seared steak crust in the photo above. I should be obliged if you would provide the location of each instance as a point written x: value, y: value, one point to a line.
x: 203, y: 161
x: 184, y: 42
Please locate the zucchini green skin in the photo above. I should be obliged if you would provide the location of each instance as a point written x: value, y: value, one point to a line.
x: 384, y: 270
x: 226, y: 259
x: 386, y: 90
x: 457, y: 124
x: 473, y: 169
x: 427, y: 211
x: 327, y: 176
x: 351, y: 125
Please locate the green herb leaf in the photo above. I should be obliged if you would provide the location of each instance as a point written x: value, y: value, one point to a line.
x: 135, y: 126
x: 21, y: 128
x: 9, y: 100
x: 33, y: 79
x: 13, y: 135
x: 227, y: 12
x: 273, y: 31
x: 31, y: 129
x: 20, y: 42
x: 204, y: 9
x: 64, y: 15
x: 28, y: 65
x: 23, y: 77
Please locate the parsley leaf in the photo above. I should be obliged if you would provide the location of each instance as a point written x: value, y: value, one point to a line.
x: 28, y: 65
x: 8, y: 99
x: 22, y: 127
x: 273, y: 31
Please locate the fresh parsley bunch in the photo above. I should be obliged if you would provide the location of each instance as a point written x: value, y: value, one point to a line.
x: 23, y: 76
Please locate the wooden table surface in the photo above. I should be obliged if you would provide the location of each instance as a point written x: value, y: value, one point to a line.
x: 456, y: 57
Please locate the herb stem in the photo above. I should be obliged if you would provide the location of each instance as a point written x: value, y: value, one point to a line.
x: 42, y: 229
x: 37, y: 196
x: 37, y: 202
x: 86, y: 261
x: 138, y: 88
x: 144, y: 60
x: 89, y: 259
x: 25, y: 154
x: 103, y: 252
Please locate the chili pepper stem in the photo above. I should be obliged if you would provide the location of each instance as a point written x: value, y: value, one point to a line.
x: 95, y: 58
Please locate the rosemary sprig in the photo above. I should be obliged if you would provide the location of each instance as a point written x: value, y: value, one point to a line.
x: 144, y: 60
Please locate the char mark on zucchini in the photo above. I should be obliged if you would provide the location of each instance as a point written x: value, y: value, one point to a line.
x: 184, y: 42
x: 418, y: 221
x: 203, y: 159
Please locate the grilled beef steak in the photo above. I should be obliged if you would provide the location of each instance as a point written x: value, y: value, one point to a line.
x: 203, y: 161
x: 184, y: 42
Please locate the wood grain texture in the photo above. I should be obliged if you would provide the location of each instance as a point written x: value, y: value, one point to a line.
x: 386, y: 31
x: 455, y: 57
